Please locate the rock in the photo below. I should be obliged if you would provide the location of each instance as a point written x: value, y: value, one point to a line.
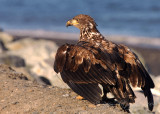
x: 39, y: 57
x: 12, y: 60
x: 5, y: 37
x: 45, y: 80
x: 2, y: 47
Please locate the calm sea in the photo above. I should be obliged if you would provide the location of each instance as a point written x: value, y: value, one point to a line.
x: 124, y: 17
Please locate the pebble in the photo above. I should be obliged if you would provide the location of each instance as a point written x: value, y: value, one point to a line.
x: 98, y: 105
x: 65, y: 95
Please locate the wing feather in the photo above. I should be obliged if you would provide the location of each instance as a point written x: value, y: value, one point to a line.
x: 89, y: 91
x: 82, y: 66
x: 138, y: 76
x: 60, y: 58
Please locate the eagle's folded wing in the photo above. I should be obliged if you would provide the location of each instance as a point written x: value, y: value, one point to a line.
x: 82, y: 65
x: 82, y: 71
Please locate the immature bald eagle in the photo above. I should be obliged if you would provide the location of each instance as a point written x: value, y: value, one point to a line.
x: 95, y: 60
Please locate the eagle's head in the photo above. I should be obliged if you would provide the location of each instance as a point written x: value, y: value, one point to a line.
x: 82, y: 21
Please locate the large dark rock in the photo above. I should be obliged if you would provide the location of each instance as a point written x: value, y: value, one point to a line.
x: 12, y: 60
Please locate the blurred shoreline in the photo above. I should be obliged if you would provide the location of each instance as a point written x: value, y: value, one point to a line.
x: 145, y: 42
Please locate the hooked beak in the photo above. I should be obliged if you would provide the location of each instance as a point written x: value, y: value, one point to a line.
x: 71, y: 22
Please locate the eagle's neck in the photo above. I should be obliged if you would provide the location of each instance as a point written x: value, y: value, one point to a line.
x: 87, y: 34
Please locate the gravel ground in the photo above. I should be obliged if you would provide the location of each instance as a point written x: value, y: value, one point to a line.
x: 19, y: 95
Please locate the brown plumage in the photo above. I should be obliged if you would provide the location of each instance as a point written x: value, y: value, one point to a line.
x: 95, y: 60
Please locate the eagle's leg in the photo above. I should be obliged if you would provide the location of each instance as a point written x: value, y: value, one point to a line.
x: 111, y: 101
x: 105, y: 99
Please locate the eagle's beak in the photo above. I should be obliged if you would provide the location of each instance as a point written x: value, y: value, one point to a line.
x: 71, y: 22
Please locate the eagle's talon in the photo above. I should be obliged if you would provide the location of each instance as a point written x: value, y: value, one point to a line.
x: 79, y: 97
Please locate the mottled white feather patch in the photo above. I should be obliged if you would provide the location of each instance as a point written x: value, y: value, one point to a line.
x: 90, y: 25
x: 64, y: 52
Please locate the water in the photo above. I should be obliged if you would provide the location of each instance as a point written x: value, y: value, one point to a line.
x: 124, y: 17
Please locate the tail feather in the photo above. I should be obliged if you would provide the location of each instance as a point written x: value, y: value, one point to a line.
x: 148, y: 94
x: 148, y: 85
